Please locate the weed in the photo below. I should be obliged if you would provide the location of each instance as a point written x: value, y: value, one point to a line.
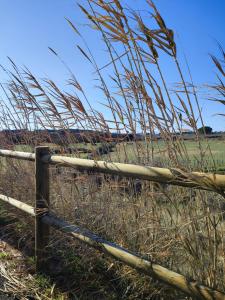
x: 3, y: 255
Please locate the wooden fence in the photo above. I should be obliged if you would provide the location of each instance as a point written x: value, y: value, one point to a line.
x: 44, y: 218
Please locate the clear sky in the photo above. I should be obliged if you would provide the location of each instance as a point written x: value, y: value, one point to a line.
x: 29, y: 27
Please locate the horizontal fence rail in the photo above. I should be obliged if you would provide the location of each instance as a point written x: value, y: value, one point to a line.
x: 18, y: 204
x: 205, y: 181
x: 44, y: 218
x: 18, y: 154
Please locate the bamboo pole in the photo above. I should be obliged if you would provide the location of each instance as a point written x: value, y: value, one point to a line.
x: 18, y: 204
x: 41, y: 206
x: 178, y: 281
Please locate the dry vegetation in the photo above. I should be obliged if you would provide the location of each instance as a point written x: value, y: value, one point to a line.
x: 180, y: 228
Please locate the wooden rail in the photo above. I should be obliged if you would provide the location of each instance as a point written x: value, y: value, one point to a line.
x: 18, y: 204
x: 44, y: 219
x: 205, y: 181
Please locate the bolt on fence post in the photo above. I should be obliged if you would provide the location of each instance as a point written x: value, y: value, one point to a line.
x: 41, y: 205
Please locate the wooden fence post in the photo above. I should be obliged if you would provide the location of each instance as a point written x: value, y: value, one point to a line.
x: 41, y: 205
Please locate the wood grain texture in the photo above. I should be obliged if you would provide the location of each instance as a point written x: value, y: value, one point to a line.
x: 41, y: 205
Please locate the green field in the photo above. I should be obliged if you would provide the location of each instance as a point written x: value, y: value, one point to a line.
x: 213, y: 152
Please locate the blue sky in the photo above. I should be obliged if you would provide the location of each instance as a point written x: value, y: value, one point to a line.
x: 29, y: 27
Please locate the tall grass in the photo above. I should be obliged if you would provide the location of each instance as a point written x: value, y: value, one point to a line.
x: 180, y: 228
x: 219, y: 88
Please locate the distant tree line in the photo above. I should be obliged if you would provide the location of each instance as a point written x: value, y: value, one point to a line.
x: 65, y: 137
x: 205, y: 130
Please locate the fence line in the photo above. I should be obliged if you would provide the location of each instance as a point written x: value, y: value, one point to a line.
x: 44, y: 218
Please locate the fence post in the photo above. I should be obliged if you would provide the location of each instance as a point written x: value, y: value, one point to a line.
x: 41, y: 205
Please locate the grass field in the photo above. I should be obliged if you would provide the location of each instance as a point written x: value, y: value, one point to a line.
x: 213, y: 151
